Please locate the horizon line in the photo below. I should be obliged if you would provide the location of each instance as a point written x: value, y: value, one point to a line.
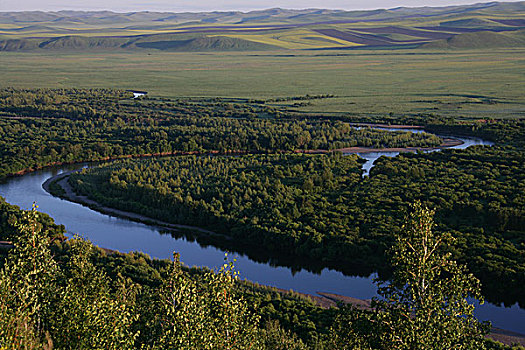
x: 259, y: 10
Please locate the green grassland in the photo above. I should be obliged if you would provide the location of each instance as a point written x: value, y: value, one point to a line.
x: 466, y: 84
x: 460, y: 61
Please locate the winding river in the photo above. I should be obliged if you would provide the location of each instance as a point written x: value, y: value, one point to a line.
x: 126, y: 236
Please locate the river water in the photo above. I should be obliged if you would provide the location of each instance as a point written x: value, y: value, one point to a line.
x: 372, y: 156
x: 126, y: 236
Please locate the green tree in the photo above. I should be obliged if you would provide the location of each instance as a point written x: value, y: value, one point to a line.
x: 275, y: 338
x: 425, y: 306
x: 352, y: 329
x: 87, y: 313
x: 46, y: 305
x: 27, y: 284
x: 202, y: 315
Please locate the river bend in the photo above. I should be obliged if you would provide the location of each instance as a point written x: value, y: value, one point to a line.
x: 126, y: 236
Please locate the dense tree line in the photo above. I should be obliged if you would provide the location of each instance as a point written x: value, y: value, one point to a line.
x: 61, y: 103
x: 44, y: 127
x: 281, y: 202
x: 479, y: 194
x: 510, y: 132
x: 319, y: 207
x: 30, y: 143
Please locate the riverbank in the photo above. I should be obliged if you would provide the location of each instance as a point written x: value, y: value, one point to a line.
x: 69, y: 194
x: 388, y: 126
x: 107, y: 159
x: 448, y: 142
x: 322, y: 299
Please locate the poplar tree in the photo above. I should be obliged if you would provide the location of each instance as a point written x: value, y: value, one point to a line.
x: 425, y: 306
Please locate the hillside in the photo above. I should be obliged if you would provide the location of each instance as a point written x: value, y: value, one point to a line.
x: 215, y: 43
x: 158, y: 42
x: 276, y: 28
x: 480, y: 40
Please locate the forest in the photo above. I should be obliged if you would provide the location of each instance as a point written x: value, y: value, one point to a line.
x: 44, y: 127
x: 243, y: 168
x: 320, y: 208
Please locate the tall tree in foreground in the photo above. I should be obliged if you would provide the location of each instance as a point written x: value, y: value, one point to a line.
x: 27, y: 286
x: 425, y: 306
x: 205, y: 314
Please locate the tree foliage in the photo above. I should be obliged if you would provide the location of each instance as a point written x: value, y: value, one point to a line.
x: 27, y: 287
x: 46, y: 127
x: 425, y: 305
x: 316, y: 207
x: 67, y: 302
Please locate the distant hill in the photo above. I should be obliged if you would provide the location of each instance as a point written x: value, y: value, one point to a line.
x: 471, y: 23
x: 215, y: 43
x: 82, y: 43
x: 157, y: 42
x: 275, y: 15
x: 18, y: 45
x: 401, y: 27
x: 480, y: 40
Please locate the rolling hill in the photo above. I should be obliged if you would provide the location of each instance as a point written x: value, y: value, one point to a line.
x: 204, y: 43
x: 479, y: 40
x: 483, y: 25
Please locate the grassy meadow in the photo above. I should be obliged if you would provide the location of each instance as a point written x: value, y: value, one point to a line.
x: 461, y: 83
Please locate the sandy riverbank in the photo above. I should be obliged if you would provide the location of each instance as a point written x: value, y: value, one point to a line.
x: 70, y: 195
x: 447, y: 143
